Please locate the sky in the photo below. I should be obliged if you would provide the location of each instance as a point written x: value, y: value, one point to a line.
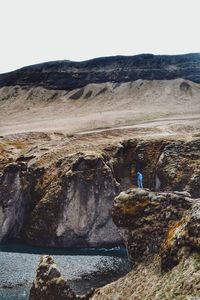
x: 34, y: 31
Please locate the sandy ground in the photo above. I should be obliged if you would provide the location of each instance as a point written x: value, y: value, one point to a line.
x: 167, y: 106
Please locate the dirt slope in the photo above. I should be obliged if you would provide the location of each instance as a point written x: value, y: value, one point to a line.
x: 98, y: 106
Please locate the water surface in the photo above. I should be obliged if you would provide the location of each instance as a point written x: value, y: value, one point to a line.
x: 84, y: 268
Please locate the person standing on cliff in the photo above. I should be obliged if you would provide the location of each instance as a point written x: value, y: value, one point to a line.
x: 139, y: 180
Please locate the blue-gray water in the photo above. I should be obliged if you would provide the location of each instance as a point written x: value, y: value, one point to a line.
x: 84, y: 268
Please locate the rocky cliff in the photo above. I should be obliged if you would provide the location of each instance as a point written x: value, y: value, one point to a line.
x: 67, y: 75
x: 162, y: 235
x: 67, y: 204
x: 62, y: 197
x: 164, y: 223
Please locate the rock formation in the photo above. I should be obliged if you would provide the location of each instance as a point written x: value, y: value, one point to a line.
x: 182, y: 238
x: 50, y: 285
x: 79, y: 207
x: 62, y: 199
x: 14, y: 199
x: 163, y: 223
x: 68, y: 75
x: 162, y: 235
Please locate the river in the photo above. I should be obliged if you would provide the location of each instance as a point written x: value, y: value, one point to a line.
x: 84, y: 268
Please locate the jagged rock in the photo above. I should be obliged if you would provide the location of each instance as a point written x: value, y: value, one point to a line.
x: 68, y: 75
x: 144, y: 219
x: 49, y: 284
x: 182, y: 237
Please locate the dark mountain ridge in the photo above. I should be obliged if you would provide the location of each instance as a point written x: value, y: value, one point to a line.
x: 68, y: 75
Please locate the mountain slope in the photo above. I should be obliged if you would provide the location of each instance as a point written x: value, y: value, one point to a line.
x: 68, y: 75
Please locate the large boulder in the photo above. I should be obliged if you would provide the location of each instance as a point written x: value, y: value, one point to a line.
x: 147, y: 219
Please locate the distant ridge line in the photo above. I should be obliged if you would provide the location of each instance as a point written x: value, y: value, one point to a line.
x: 68, y: 75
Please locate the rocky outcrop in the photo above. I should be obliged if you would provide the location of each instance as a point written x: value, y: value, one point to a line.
x: 67, y: 75
x: 50, y: 285
x: 164, y: 223
x: 178, y: 167
x: 182, y: 237
x: 166, y: 165
x: 162, y: 235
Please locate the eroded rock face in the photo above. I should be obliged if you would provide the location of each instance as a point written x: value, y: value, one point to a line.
x: 13, y: 200
x: 67, y: 75
x: 162, y: 233
x: 76, y: 212
x: 178, y: 167
x: 59, y: 199
x: 49, y: 284
x: 145, y: 218
x: 165, y: 165
x: 89, y: 188
x: 182, y: 237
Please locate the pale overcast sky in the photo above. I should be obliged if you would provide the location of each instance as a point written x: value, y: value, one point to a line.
x: 34, y: 31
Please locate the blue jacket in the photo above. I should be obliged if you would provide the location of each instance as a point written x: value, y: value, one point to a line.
x: 139, y: 176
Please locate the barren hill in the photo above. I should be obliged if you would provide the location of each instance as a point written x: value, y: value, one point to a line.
x: 73, y: 135
x: 102, y: 93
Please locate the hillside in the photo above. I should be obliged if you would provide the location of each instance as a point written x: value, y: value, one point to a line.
x: 72, y: 138
x: 101, y: 93
x: 68, y: 75
x: 98, y: 106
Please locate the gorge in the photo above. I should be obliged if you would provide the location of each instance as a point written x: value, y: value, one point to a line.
x: 73, y: 136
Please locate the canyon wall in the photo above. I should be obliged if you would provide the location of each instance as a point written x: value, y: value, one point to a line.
x: 162, y: 235
x: 65, y: 200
